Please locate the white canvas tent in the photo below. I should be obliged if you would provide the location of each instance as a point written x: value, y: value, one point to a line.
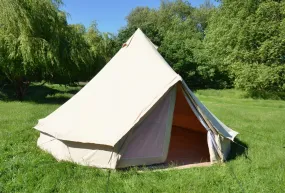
x: 135, y: 111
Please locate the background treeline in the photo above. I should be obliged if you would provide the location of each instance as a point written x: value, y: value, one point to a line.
x: 238, y: 44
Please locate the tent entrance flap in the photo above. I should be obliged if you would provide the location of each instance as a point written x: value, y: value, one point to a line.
x: 188, y: 143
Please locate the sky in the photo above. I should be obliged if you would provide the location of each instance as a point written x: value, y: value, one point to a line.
x: 109, y: 14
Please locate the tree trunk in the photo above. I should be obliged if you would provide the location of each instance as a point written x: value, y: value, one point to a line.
x: 21, y: 86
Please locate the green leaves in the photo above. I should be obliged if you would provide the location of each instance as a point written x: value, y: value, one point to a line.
x: 239, y: 43
x: 259, y: 77
x: 37, y: 44
x: 30, y: 31
x: 247, y: 39
x: 177, y: 29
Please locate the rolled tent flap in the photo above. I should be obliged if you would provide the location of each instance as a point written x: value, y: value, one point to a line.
x: 213, y: 147
x: 218, y: 125
x: 219, y: 135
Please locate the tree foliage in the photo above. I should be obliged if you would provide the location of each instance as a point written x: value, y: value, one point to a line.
x: 246, y: 39
x: 177, y: 29
x: 238, y: 43
x: 36, y: 44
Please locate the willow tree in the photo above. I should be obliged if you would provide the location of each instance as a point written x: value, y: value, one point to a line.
x: 103, y: 46
x: 36, y: 43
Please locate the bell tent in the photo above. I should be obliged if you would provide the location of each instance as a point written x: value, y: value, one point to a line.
x: 135, y: 111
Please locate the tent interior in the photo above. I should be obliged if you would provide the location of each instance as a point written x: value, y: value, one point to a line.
x: 188, y: 142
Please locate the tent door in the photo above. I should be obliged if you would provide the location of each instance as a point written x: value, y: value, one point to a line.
x: 188, y: 143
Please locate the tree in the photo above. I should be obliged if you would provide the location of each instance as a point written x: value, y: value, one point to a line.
x: 107, y: 46
x: 177, y: 29
x: 143, y: 18
x: 203, y: 14
x: 38, y: 44
x: 246, y: 39
x: 28, y: 36
x: 102, y: 46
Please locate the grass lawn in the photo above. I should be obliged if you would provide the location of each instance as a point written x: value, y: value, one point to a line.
x: 26, y: 168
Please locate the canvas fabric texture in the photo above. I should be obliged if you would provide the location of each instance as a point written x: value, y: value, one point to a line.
x: 123, y: 116
x: 123, y: 91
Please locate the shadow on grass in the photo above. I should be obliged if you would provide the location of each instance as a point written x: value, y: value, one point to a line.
x: 238, y: 148
x: 42, y: 94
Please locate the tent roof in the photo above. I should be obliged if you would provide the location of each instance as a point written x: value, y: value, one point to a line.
x: 116, y: 98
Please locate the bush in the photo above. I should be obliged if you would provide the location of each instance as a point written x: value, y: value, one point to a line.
x: 259, y: 77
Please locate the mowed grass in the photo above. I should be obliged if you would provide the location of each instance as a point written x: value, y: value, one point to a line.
x: 26, y: 168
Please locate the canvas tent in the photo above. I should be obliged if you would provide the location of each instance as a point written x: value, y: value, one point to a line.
x: 135, y: 111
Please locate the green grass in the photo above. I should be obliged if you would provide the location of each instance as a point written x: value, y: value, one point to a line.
x: 25, y: 168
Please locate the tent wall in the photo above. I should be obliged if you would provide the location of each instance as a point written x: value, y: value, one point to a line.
x: 174, y: 116
x: 148, y: 142
x: 82, y: 153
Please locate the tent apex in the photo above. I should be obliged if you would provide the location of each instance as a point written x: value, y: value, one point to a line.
x: 139, y: 31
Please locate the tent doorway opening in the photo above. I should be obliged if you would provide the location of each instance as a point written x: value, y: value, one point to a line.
x: 188, y: 142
